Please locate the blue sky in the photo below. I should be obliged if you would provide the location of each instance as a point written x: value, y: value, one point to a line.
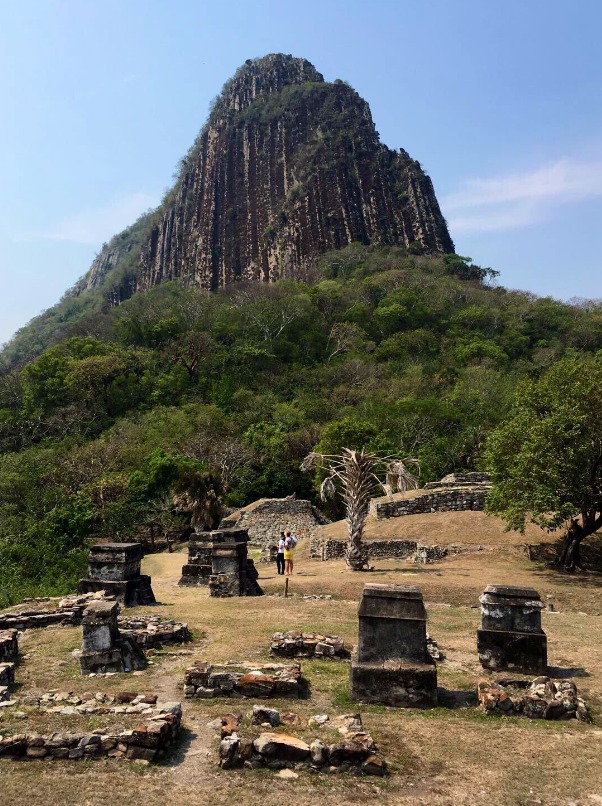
x: 500, y: 100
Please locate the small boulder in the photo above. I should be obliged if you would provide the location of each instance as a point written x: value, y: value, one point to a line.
x: 262, y: 714
x: 280, y: 746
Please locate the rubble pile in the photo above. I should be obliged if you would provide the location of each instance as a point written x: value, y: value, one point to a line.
x: 307, y: 645
x: 354, y: 752
x: 543, y: 698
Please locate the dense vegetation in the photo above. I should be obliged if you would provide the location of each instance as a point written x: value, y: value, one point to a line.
x: 178, y: 389
x: 546, y: 456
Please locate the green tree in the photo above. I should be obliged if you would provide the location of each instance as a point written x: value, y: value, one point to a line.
x: 546, y: 457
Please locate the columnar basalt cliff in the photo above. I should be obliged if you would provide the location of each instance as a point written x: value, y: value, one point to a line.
x: 287, y: 168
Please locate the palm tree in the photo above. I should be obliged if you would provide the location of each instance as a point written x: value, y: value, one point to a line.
x: 356, y: 477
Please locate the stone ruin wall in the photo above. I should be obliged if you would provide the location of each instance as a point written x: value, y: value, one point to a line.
x: 266, y: 520
x: 444, y: 500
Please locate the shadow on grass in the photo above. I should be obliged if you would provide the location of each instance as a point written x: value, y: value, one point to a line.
x: 567, y: 671
x: 546, y: 556
x: 456, y: 698
x: 176, y: 754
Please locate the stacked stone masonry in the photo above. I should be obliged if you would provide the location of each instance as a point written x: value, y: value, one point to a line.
x: 147, y: 742
x: 266, y: 518
x: 307, y: 645
x: 511, y: 636
x: 355, y: 752
x: 541, y: 698
x: 152, y: 632
x: 115, y: 568
x: 9, y: 645
x: 205, y: 680
x: 445, y: 500
x: 104, y: 648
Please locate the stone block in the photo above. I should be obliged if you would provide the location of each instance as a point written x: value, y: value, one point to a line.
x: 511, y: 636
x: 391, y: 664
x: 392, y: 623
x: 397, y: 683
x: 525, y: 652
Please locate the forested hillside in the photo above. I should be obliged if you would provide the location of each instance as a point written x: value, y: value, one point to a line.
x: 178, y: 390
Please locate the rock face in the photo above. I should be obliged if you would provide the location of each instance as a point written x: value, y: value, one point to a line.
x: 288, y: 167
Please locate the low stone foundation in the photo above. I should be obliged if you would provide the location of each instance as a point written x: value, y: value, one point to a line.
x: 321, y: 549
x: 543, y: 699
x: 150, y: 632
x: 356, y: 752
x: 9, y: 645
x: 66, y: 611
x: 206, y: 680
x: 128, y: 703
x: 307, y: 645
x: 147, y: 742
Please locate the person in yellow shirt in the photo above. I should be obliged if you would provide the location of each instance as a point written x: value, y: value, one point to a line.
x: 290, y: 541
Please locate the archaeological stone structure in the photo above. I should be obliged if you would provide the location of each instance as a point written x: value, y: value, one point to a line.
x: 247, y: 679
x: 542, y: 698
x: 198, y: 568
x: 9, y: 645
x: 293, y: 644
x: 104, y: 649
x: 115, y: 568
x: 354, y: 751
x: 454, y: 493
x: 220, y: 560
x: 391, y: 664
x: 511, y: 636
x: 266, y: 518
x: 146, y: 742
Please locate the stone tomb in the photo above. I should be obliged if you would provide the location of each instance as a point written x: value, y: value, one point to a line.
x: 220, y: 560
x: 115, y: 568
x: 104, y: 649
x: 391, y: 664
x: 198, y: 568
x: 511, y: 636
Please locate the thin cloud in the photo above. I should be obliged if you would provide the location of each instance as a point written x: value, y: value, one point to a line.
x: 518, y: 200
x: 94, y: 227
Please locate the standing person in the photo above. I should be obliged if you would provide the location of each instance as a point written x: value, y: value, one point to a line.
x: 290, y: 541
x: 280, y: 554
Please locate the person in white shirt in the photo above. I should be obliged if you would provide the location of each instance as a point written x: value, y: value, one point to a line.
x: 280, y: 554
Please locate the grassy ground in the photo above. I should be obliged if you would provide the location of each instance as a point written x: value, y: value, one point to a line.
x: 451, y: 755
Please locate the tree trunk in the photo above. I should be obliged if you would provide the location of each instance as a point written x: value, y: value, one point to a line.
x: 356, y: 555
x: 570, y: 556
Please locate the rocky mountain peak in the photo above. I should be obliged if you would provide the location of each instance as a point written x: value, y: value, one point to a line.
x: 260, y: 78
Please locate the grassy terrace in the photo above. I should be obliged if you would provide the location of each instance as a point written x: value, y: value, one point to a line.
x: 453, y: 754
